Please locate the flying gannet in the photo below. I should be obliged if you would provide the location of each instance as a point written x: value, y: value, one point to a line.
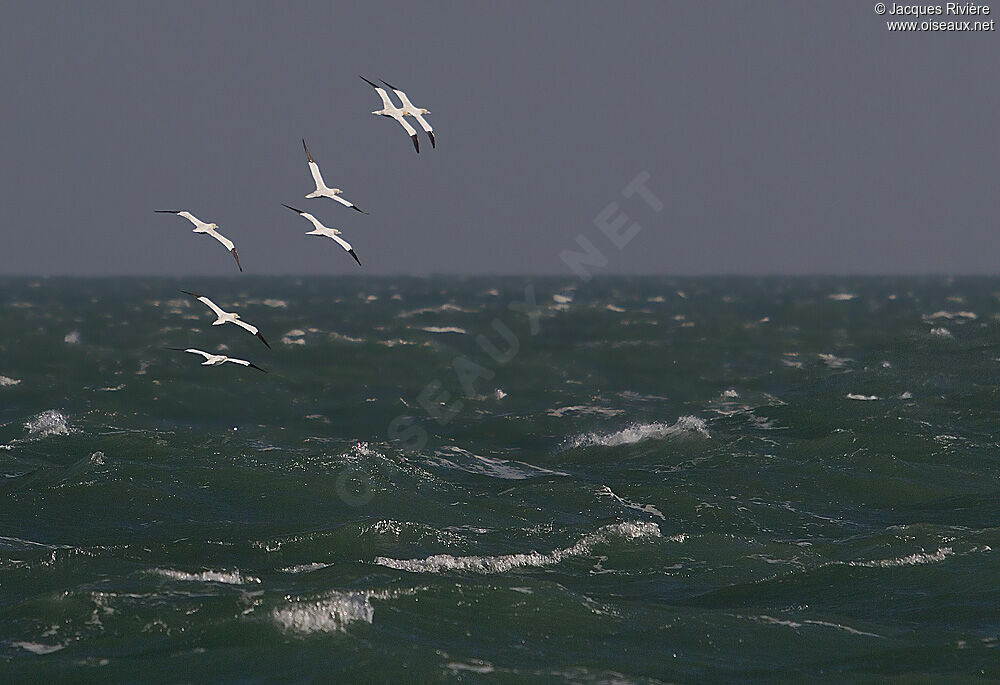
x: 416, y: 112
x: 320, y: 229
x: 216, y: 359
x: 321, y: 188
x: 202, y: 227
x: 390, y: 110
x: 226, y: 317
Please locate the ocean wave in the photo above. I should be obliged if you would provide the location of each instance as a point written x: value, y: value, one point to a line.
x: 6, y: 382
x: 72, y: 338
x: 329, y: 614
x: 443, y: 329
x: 909, y: 560
x: 584, y: 409
x: 439, y: 563
x: 941, y: 332
x: 863, y: 398
x: 50, y: 422
x: 605, y: 491
x: 970, y: 316
x: 227, y: 577
x: 684, y: 427
x: 490, y: 466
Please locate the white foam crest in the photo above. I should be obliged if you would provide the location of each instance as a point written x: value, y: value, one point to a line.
x: 72, y: 338
x: 862, y: 398
x: 447, y: 307
x: 841, y: 297
x: 39, y: 648
x: 971, y: 316
x: 835, y: 362
x: 584, y: 409
x: 49, y: 422
x: 684, y: 427
x: 909, y: 560
x: 305, y: 568
x: 605, y: 491
x: 227, y: 577
x: 443, y: 329
x: 438, y: 563
x: 941, y: 332
x: 7, y: 382
x: 329, y: 614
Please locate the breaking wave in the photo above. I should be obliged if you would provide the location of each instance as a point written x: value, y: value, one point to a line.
x: 684, y: 427
x: 438, y: 563
x: 50, y: 422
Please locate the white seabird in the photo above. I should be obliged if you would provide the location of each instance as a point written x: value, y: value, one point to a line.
x: 216, y: 359
x: 416, y: 112
x: 320, y: 229
x: 210, y: 229
x: 226, y: 317
x: 397, y: 113
x: 322, y: 190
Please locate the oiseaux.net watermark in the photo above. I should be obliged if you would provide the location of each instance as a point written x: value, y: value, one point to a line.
x: 442, y: 399
x: 950, y: 16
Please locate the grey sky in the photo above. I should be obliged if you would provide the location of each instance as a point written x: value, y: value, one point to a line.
x: 783, y: 136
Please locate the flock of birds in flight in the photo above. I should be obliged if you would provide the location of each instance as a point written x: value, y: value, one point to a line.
x: 322, y: 190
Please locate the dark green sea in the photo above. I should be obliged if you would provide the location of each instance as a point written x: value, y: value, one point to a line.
x: 501, y: 480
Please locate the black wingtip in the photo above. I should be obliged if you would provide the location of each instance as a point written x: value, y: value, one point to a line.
x: 167, y: 211
x: 388, y: 84
x: 254, y: 366
x: 430, y: 134
x: 358, y: 209
x: 306, y: 148
x: 367, y: 81
x: 176, y: 349
x: 297, y: 211
x: 416, y: 143
x: 262, y: 340
x: 355, y: 255
x: 194, y: 295
x: 237, y: 258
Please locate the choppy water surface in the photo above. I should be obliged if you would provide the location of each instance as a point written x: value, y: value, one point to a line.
x: 642, y: 480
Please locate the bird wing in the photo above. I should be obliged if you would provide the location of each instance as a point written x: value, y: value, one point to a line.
x: 206, y: 355
x: 244, y: 362
x: 252, y: 329
x: 347, y: 246
x: 313, y: 220
x: 211, y: 305
x: 192, y: 218
x: 227, y: 243
x: 317, y: 176
x: 409, y: 130
x: 423, y: 122
x: 386, y: 102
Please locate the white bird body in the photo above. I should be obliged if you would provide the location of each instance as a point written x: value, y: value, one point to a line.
x: 322, y: 189
x: 410, y: 110
x: 397, y: 113
x: 208, y: 229
x: 326, y: 231
x: 223, y: 317
x: 216, y: 359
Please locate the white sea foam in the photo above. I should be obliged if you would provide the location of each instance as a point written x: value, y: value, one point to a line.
x: 605, y: 491
x: 305, y: 568
x: 329, y: 614
x: 841, y: 297
x: 941, y: 332
x: 38, y: 647
x: 50, y: 422
x: 835, y: 362
x: 863, y: 398
x: 7, y: 382
x: 443, y: 329
x: 227, y: 577
x: 562, y: 299
x: 684, y: 427
x: 909, y: 560
x: 584, y: 409
x: 971, y: 316
x: 439, y: 563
